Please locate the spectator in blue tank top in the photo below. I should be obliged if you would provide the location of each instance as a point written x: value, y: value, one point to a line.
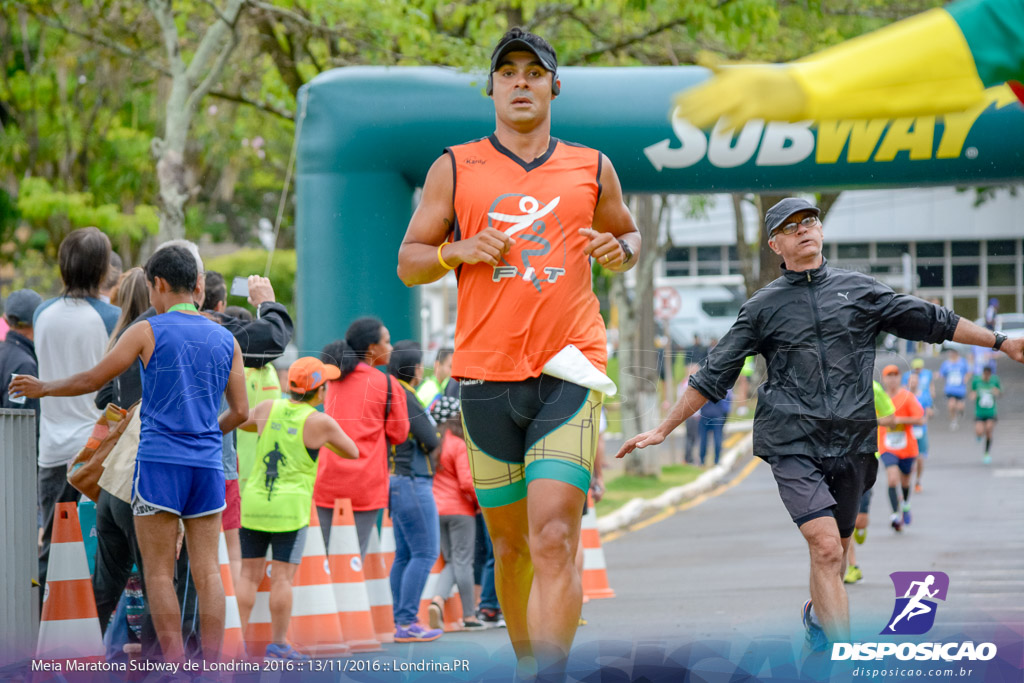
x: 188, y: 364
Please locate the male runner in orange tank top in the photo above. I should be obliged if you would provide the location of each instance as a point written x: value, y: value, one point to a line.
x: 519, y: 215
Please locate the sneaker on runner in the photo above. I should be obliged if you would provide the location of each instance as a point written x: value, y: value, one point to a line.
x: 897, y: 522
x: 860, y: 535
x: 414, y: 633
x: 285, y: 651
x: 853, y: 575
x: 492, y: 618
x: 987, y: 460
x: 917, y: 488
x: 816, y: 638
x: 473, y: 625
x: 906, y: 514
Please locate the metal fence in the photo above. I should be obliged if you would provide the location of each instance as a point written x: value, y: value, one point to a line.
x: 19, y: 601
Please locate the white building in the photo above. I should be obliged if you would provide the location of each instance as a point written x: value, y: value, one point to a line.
x: 960, y: 253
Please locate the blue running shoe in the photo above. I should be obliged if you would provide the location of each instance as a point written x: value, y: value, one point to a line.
x: 414, y: 633
x: 906, y: 514
x: 816, y: 638
x: 286, y: 651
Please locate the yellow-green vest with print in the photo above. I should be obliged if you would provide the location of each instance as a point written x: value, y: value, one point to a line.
x: 278, y: 495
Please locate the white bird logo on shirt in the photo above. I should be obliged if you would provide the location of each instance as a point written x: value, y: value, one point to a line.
x: 532, y: 212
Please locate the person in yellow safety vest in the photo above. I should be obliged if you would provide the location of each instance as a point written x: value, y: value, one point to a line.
x: 261, y: 384
x: 884, y: 412
x: 438, y: 384
x: 278, y: 495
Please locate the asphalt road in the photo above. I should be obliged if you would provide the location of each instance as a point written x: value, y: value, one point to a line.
x: 736, y: 565
x: 735, y: 568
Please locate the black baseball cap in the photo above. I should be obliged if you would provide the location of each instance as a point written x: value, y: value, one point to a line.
x: 778, y: 214
x: 518, y: 40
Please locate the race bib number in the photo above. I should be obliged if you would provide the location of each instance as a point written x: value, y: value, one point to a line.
x: 986, y: 400
x: 896, y: 441
x: 918, y: 432
x: 955, y: 378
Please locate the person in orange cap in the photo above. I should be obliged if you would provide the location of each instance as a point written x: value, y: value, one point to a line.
x: 278, y: 495
x: 898, y: 444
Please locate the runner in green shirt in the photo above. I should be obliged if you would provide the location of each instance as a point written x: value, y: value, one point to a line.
x: 984, y: 391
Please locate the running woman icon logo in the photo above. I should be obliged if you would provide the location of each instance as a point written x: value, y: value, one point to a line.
x: 914, y: 612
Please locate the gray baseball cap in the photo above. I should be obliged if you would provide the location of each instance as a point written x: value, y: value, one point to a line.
x: 778, y: 214
x: 22, y: 305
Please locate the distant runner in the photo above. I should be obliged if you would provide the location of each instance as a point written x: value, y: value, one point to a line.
x: 984, y: 391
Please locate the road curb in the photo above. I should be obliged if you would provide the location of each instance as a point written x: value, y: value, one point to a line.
x: 640, y: 509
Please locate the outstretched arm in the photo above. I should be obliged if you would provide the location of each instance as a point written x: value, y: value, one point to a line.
x: 970, y: 333
x: 136, y: 342
x: 688, y: 404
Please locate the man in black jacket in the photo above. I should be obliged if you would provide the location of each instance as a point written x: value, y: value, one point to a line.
x: 815, y: 421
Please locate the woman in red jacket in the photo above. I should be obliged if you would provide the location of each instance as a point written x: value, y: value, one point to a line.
x: 371, y: 408
x: 456, y: 507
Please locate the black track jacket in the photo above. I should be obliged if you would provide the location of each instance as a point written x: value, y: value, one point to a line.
x: 816, y: 330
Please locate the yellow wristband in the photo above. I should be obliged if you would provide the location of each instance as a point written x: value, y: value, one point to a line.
x: 440, y: 259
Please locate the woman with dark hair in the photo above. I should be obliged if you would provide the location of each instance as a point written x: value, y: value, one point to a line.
x: 132, y: 297
x: 457, y: 506
x: 371, y: 409
x: 413, y: 511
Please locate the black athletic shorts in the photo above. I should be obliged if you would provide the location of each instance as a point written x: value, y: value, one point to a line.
x: 286, y: 546
x: 814, y: 486
x: 539, y: 428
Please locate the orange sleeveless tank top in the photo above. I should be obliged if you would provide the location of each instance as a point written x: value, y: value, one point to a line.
x: 515, y: 317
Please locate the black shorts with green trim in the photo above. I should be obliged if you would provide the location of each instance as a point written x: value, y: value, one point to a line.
x: 539, y: 428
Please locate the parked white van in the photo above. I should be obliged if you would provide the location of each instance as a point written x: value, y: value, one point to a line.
x: 708, y: 306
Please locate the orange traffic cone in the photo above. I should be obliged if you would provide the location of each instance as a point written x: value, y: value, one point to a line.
x: 234, y: 643
x: 69, y: 627
x: 595, y: 576
x: 315, y: 628
x: 429, y: 591
x: 387, y: 542
x: 378, y: 588
x: 346, y: 565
